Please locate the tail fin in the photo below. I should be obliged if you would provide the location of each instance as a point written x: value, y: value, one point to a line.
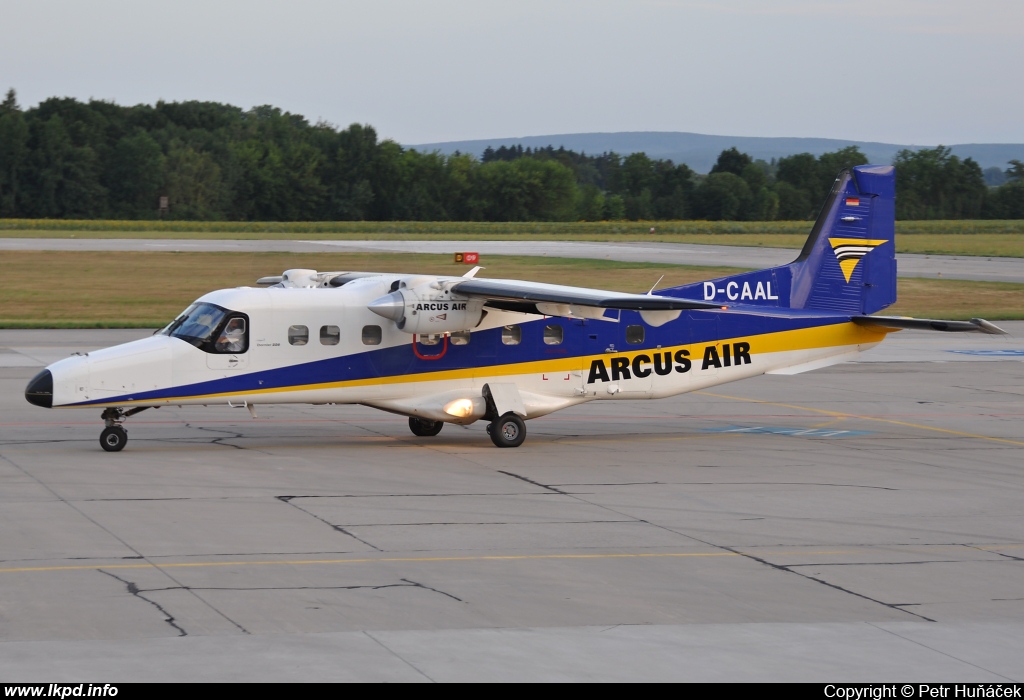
x: 848, y: 263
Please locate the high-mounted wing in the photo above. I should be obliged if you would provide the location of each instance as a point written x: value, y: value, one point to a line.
x: 533, y: 292
x: 895, y: 323
x: 461, y: 302
x: 573, y: 302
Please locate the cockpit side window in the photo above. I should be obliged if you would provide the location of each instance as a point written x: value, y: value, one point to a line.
x: 211, y: 328
x: 234, y: 338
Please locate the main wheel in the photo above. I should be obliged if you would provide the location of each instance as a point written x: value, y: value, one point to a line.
x: 508, y: 431
x: 425, y: 428
x: 113, y: 439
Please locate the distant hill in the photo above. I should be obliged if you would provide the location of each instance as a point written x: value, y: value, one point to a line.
x: 700, y: 151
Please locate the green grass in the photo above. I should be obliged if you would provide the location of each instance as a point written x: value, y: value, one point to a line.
x: 63, y: 289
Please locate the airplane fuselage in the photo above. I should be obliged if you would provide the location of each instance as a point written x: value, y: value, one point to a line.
x: 324, y: 346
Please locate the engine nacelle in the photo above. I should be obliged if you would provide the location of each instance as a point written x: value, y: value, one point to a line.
x: 428, y: 308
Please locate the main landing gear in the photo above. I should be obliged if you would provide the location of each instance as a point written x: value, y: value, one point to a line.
x: 114, y: 437
x: 508, y: 431
x: 424, y: 428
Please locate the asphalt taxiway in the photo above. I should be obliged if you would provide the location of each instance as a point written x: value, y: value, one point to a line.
x: 857, y: 523
x: 992, y: 269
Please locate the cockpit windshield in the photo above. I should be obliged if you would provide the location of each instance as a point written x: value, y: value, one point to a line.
x: 197, y: 324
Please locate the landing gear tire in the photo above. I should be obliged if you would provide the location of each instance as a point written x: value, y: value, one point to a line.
x: 507, y: 431
x: 113, y: 439
x: 425, y: 428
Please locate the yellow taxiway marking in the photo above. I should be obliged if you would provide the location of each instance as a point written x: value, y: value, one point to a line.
x: 840, y: 414
x: 393, y: 560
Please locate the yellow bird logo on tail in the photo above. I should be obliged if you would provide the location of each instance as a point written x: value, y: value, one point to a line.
x: 849, y: 251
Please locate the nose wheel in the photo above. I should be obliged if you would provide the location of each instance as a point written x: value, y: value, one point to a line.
x: 113, y: 439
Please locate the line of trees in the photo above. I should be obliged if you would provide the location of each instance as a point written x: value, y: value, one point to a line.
x: 70, y: 159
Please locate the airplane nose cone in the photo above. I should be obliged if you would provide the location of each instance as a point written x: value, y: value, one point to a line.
x: 391, y: 306
x: 39, y: 391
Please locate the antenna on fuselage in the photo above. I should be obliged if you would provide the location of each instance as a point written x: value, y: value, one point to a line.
x: 651, y: 290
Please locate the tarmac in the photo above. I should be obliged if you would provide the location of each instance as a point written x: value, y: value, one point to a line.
x: 853, y: 524
x: 927, y: 266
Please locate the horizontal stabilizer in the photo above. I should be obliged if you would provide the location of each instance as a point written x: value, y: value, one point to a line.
x: 896, y: 323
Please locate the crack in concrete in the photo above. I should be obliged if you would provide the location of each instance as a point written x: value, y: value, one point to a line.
x: 229, y: 435
x: 137, y: 592
x: 788, y: 569
x: 120, y: 500
x: 881, y: 563
x: 430, y: 588
x: 417, y: 495
x: 992, y: 551
x: 337, y: 528
x: 535, y: 483
x: 405, y: 583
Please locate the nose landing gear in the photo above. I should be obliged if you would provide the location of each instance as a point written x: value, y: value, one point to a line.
x: 114, y: 437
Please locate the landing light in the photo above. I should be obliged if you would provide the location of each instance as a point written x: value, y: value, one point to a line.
x: 460, y: 408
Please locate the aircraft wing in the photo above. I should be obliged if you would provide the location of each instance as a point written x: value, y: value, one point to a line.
x: 975, y: 325
x: 513, y: 295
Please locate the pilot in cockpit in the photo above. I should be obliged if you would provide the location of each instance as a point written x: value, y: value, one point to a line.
x: 232, y: 339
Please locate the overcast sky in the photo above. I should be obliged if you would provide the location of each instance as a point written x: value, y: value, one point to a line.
x: 901, y: 71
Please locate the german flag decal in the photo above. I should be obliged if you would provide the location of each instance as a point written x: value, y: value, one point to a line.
x: 849, y: 251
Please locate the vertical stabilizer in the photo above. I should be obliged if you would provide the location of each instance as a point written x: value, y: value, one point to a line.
x: 849, y: 260
x: 848, y: 263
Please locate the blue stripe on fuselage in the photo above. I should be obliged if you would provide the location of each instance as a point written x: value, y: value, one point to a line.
x: 580, y: 338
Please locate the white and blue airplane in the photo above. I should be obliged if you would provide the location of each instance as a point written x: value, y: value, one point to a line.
x: 460, y: 349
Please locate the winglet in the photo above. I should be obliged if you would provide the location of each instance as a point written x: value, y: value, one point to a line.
x: 472, y: 273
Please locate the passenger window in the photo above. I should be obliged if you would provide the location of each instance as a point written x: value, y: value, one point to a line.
x: 553, y: 335
x: 330, y: 335
x: 298, y: 335
x: 371, y: 335
x: 634, y: 335
x: 511, y: 335
x: 428, y: 339
x: 460, y: 338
